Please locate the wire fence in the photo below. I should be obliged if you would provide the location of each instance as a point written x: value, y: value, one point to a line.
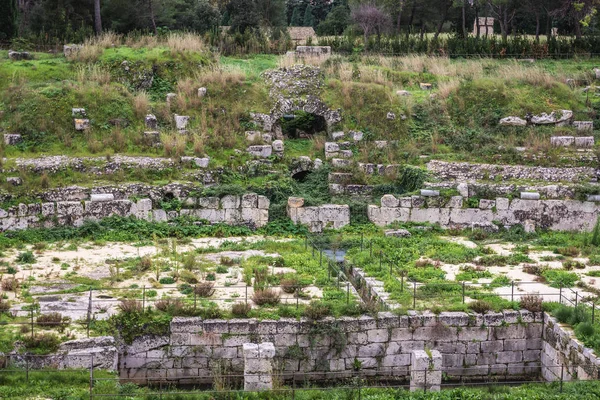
x: 167, y: 382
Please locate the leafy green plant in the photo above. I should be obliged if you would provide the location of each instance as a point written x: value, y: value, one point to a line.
x: 26, y: 257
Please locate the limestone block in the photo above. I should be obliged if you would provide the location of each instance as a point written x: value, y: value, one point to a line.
x: 78, y: 113
x: 337, y: 135
x: 258, y: 366
x: 380, y: 144
x: 403, y: 93
x: 230, y: 201
x: 513, y: 121
x: 389, y: 200
x: 455, y: 202
x: 295, y: 202
x: 263, y: 151
x: 14, y: 180
x: 584, y: 142
x: 250, y: 200
x: 102, y: 197
x: 181, y: 122
x: 170, y: 98
x: 11, y: 139
x: 345, y: 154
x: 340, y: 163
x: 429, y: 193
x: 397, y: 233
x: 502, y: 203
x: 151, y: 122
x: 486, y: 204
x: 263, y: 203
x: 334, y: 215
x: 431, y: 215
x: 584, y: 126
x: 562, y: 141
x: 81, y: 124
x: 355, y: 136
x: 19, y: 55
x: 208, y: 202
x: 159, y: 215
x: 278, y: 146
x: 425, y: 86
x: 463, y: 189
x: 202, y: 92
x: 530, y: 196
x: 426, y: 370
x: 331, y: 147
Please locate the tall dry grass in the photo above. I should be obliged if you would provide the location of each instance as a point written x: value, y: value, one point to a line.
x: 141, y: 104
x: 92, y: 73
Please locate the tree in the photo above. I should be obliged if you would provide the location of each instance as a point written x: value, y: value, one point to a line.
x: 309, y: 19
x: 504, y: 11
x: 97, y: 17
x: 578, y: 12
x: 206, y: 16
x: 370, y: 19
x: 243, y: 15
x: 296, y: 17
x: 8, y: 19
x: 336, y: 22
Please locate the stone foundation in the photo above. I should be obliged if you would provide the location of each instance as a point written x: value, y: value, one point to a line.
x: 249, y: 209
x: 327, y: 216
x: 559, y: 215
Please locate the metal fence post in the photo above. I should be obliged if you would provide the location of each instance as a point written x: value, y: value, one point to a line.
x: 144, y: 298
x: 297, y: 298
x: 32, y: 321
x: 414, y: 295
x: 320, y: 258
x: 91, y: 375
x: 89, y: 313
x: 576, y: 297
x: 560, y: 294
x: 593, y: 311
x: 371, y: 248
x: 246, y: 294
x: 348, y: 294
x: 463, y: 292
x: 512, y: 291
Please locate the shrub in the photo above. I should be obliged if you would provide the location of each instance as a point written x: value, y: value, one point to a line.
x: 558, y: 278
x: 585, y: 329
x: 130, y: 306
x: 26, y: 257
x: 53, y: 320
x: 267, y: 297
x: 570, y: 264
x: 166, y: 280
x: 222, y: 269
x: 563, y: 314
x: 10, y: 285
x: 189, y: 262
x: 241, y: 309
x: 170, y: 306
x: 227, y: 261
x: 570, y: 251
x: 211, y: 276
x: 4, y: 305
x: 480, y: 306
x: 534, y: 269
x: 290, y: 285
x: 42, y: 343
x: 531, y: 302
x: 188, y: 277
x: 145, y: 264
x: 317, y: 310
x: 204, y: 289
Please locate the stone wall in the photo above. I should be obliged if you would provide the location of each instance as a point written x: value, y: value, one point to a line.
x: 564, y: 356
x: 560, y: 215
x: 327, y: 216
x: 249, y: 209
x: 462, y: 171
x: 473, y: 346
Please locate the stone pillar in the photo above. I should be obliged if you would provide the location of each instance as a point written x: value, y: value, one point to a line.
x: 258, y: 366
x: 426, y: 371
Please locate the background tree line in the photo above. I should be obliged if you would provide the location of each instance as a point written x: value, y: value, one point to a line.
x: 73, y: 20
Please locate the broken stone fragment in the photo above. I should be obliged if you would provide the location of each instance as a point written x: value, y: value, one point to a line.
x: 513, y: 121
x: 81, y: 124
x: 151, y: 121
x: 425, y: 86
x: 181, y: 122
x: 202, y: 92
x: 403, y: 93
x: 78, y: 113
x: 11, y: 139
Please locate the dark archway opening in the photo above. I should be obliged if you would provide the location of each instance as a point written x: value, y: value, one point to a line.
x: 301, y: 124
x: 301, y: 176
x: 168, y: 197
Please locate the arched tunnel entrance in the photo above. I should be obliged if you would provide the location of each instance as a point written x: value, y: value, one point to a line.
x: 301, y: 176
x: 302, y: 124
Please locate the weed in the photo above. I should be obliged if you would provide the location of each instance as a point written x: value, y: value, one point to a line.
x: 204, y: 289
x: 268, y: 297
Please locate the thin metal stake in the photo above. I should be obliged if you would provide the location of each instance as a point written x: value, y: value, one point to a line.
x: 414, y: 295
x: 512, y: 291
x: 593, y: 311
x: 32, y: 321
x: 144, y: 298
x: 89, y: 314
x: 348, y: 295
x: 91, y: 375
x: 560, y: 294
x: 463, y: 292
x: 425, y: 385
x: 402, y: 281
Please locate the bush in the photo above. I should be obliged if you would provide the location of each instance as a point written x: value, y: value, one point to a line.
x: 267, y: 297
x: 563, y: 314
x: 480, y: 306
x: 585, y: 329
x: 188, y: 277
x: 130, y: 306
x: 145, y: 264
x: 317, y: 310
x: 290, y: 285
x: 204, y: 289
x: 222, y: 269
x: 26, y: 257
x: 531, y: 302
x: 53, y: 320
x: 167, y: 280
x: 558, y: 278
x: 570, y: 264
x: 42, y: 343
x: 241, y: 309
x: 570, y: 251
x: 4, y: 305
x: 10, y: 285
x: 170, y: 306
